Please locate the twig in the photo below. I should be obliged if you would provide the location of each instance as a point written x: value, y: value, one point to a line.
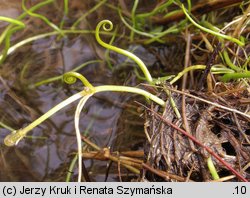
x: 209, y: 65
x: 184, y: 81
x: 163, y: 174
x: 119, y: 170
x: 133, y: 153
x: 129, y: 165
x: 240, y: 129
x: 189, y: 173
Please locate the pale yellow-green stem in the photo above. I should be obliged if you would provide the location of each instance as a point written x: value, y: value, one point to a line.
x: 13, y: 138
x: 214, y: 69
x: 139, y: 62
x: 135, y: 90
x: 212, y: 169
x: 12, y: 21
x: 78, y: 133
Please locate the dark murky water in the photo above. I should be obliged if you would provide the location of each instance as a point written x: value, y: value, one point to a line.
x: 46, y: 156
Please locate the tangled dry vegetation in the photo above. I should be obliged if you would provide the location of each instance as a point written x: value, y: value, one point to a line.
x: 223, y: 130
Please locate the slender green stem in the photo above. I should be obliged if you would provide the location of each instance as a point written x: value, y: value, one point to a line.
x: 35, y: 7
x: 172, y: 13
x: 66, y: 7
x: 137, y: 31
x: 3, y: 34
x: 7, y: 34
x: 172, y: 29
x: 46, y: 20
x: 155, y: 10
x: 216, y: 70
x: 6, y: 126
x: 46, y: 81
x: 211, y: 31
x: 229, y: 62
x: 60, y: 77
x: 210, y: 26
x: 189, y: 5
x: 230, y: 76
x: 21, y: 43
x: 212, y: 169
x: 133, y: 20
x: 135, y: 90
x: 103, y: 24
x: 88, y: 12
x: 12, y: 21
x: 65, y: 11
x: 172, y: 102
x: 40, y: 36
x: 7, y: 42
x: 221, y: 69
x: 138, y: 75
x: 162, y: 80
x: 71, y: 167
x: 247, y: 61
x: 187, y: 69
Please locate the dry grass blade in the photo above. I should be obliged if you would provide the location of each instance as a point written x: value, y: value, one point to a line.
x: 212, y: 103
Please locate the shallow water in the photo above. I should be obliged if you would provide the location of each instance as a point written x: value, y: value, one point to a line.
x: 47, y: 153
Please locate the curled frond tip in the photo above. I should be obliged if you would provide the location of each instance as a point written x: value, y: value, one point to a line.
x: 71, y: 77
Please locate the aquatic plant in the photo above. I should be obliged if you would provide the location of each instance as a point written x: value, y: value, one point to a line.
x: 104, y: 24
x: 218, y: 34
x: 70, y: 77
x: 6, y: 35
x: 13, y: 138
x: 230, y: 71
x: 88, y: 91
x: 235, y: 72
x: 43, y: 18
